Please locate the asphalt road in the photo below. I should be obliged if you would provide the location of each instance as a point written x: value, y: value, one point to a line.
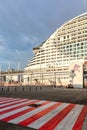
x: 77, y: 96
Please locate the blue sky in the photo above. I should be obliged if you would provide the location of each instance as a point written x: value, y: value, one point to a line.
x: 25, y: 24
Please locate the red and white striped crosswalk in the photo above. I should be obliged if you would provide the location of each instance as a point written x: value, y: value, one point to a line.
x: 48, y: 115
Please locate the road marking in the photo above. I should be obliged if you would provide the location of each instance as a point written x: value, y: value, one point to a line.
x: 19, y: 106
x: 80, y: 119
x: 29, y: 114
x: 11, y: 103
x: 49, y: 115
x: 68, y: 122
x: 43, y: 120
x: 39, y: 114
x: 15, y: 115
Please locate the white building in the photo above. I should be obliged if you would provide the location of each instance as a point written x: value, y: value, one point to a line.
x: 54, y: 57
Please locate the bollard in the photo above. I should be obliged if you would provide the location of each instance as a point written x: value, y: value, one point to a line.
x: 2, y: 88
x: 36, y: 88
x: 15, y: 89
x: 8, y: 89
x: 22, y: 88
x: 40, y: 87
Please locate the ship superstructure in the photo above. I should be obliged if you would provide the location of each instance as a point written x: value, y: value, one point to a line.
x: 67, y: 45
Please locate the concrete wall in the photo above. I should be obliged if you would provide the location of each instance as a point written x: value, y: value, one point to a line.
x: 76, y: 74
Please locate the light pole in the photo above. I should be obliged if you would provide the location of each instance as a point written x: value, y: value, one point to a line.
x: 18, y: 65
x: 28, y: 80
x: 19, y: 77
x: 8, y: 73
x: 40, y: 65
x: 55, y: 73
x: 41, y: 70
x: 52, y: 73
x: 31, y: 73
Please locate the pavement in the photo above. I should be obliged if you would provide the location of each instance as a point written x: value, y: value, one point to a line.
x: 75, y: 101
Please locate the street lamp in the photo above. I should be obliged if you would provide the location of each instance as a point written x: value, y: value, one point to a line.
x: 8, y: 70
x: 31, y: 73
x: 41, y: 73
x: 55, y: 72
x: 28, y: 80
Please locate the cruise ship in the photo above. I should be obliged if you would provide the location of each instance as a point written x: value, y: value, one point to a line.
x: 61, y: 59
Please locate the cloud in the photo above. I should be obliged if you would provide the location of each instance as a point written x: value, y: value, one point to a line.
x: 85, y: 4
x: 25, y: 24
x: 25, y: 39
x: 33, y: 40
x: 2, y: 49
x: 8, y: 56
x: 2, y: 38
x: 2, y: 44
x: 29, y: 39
